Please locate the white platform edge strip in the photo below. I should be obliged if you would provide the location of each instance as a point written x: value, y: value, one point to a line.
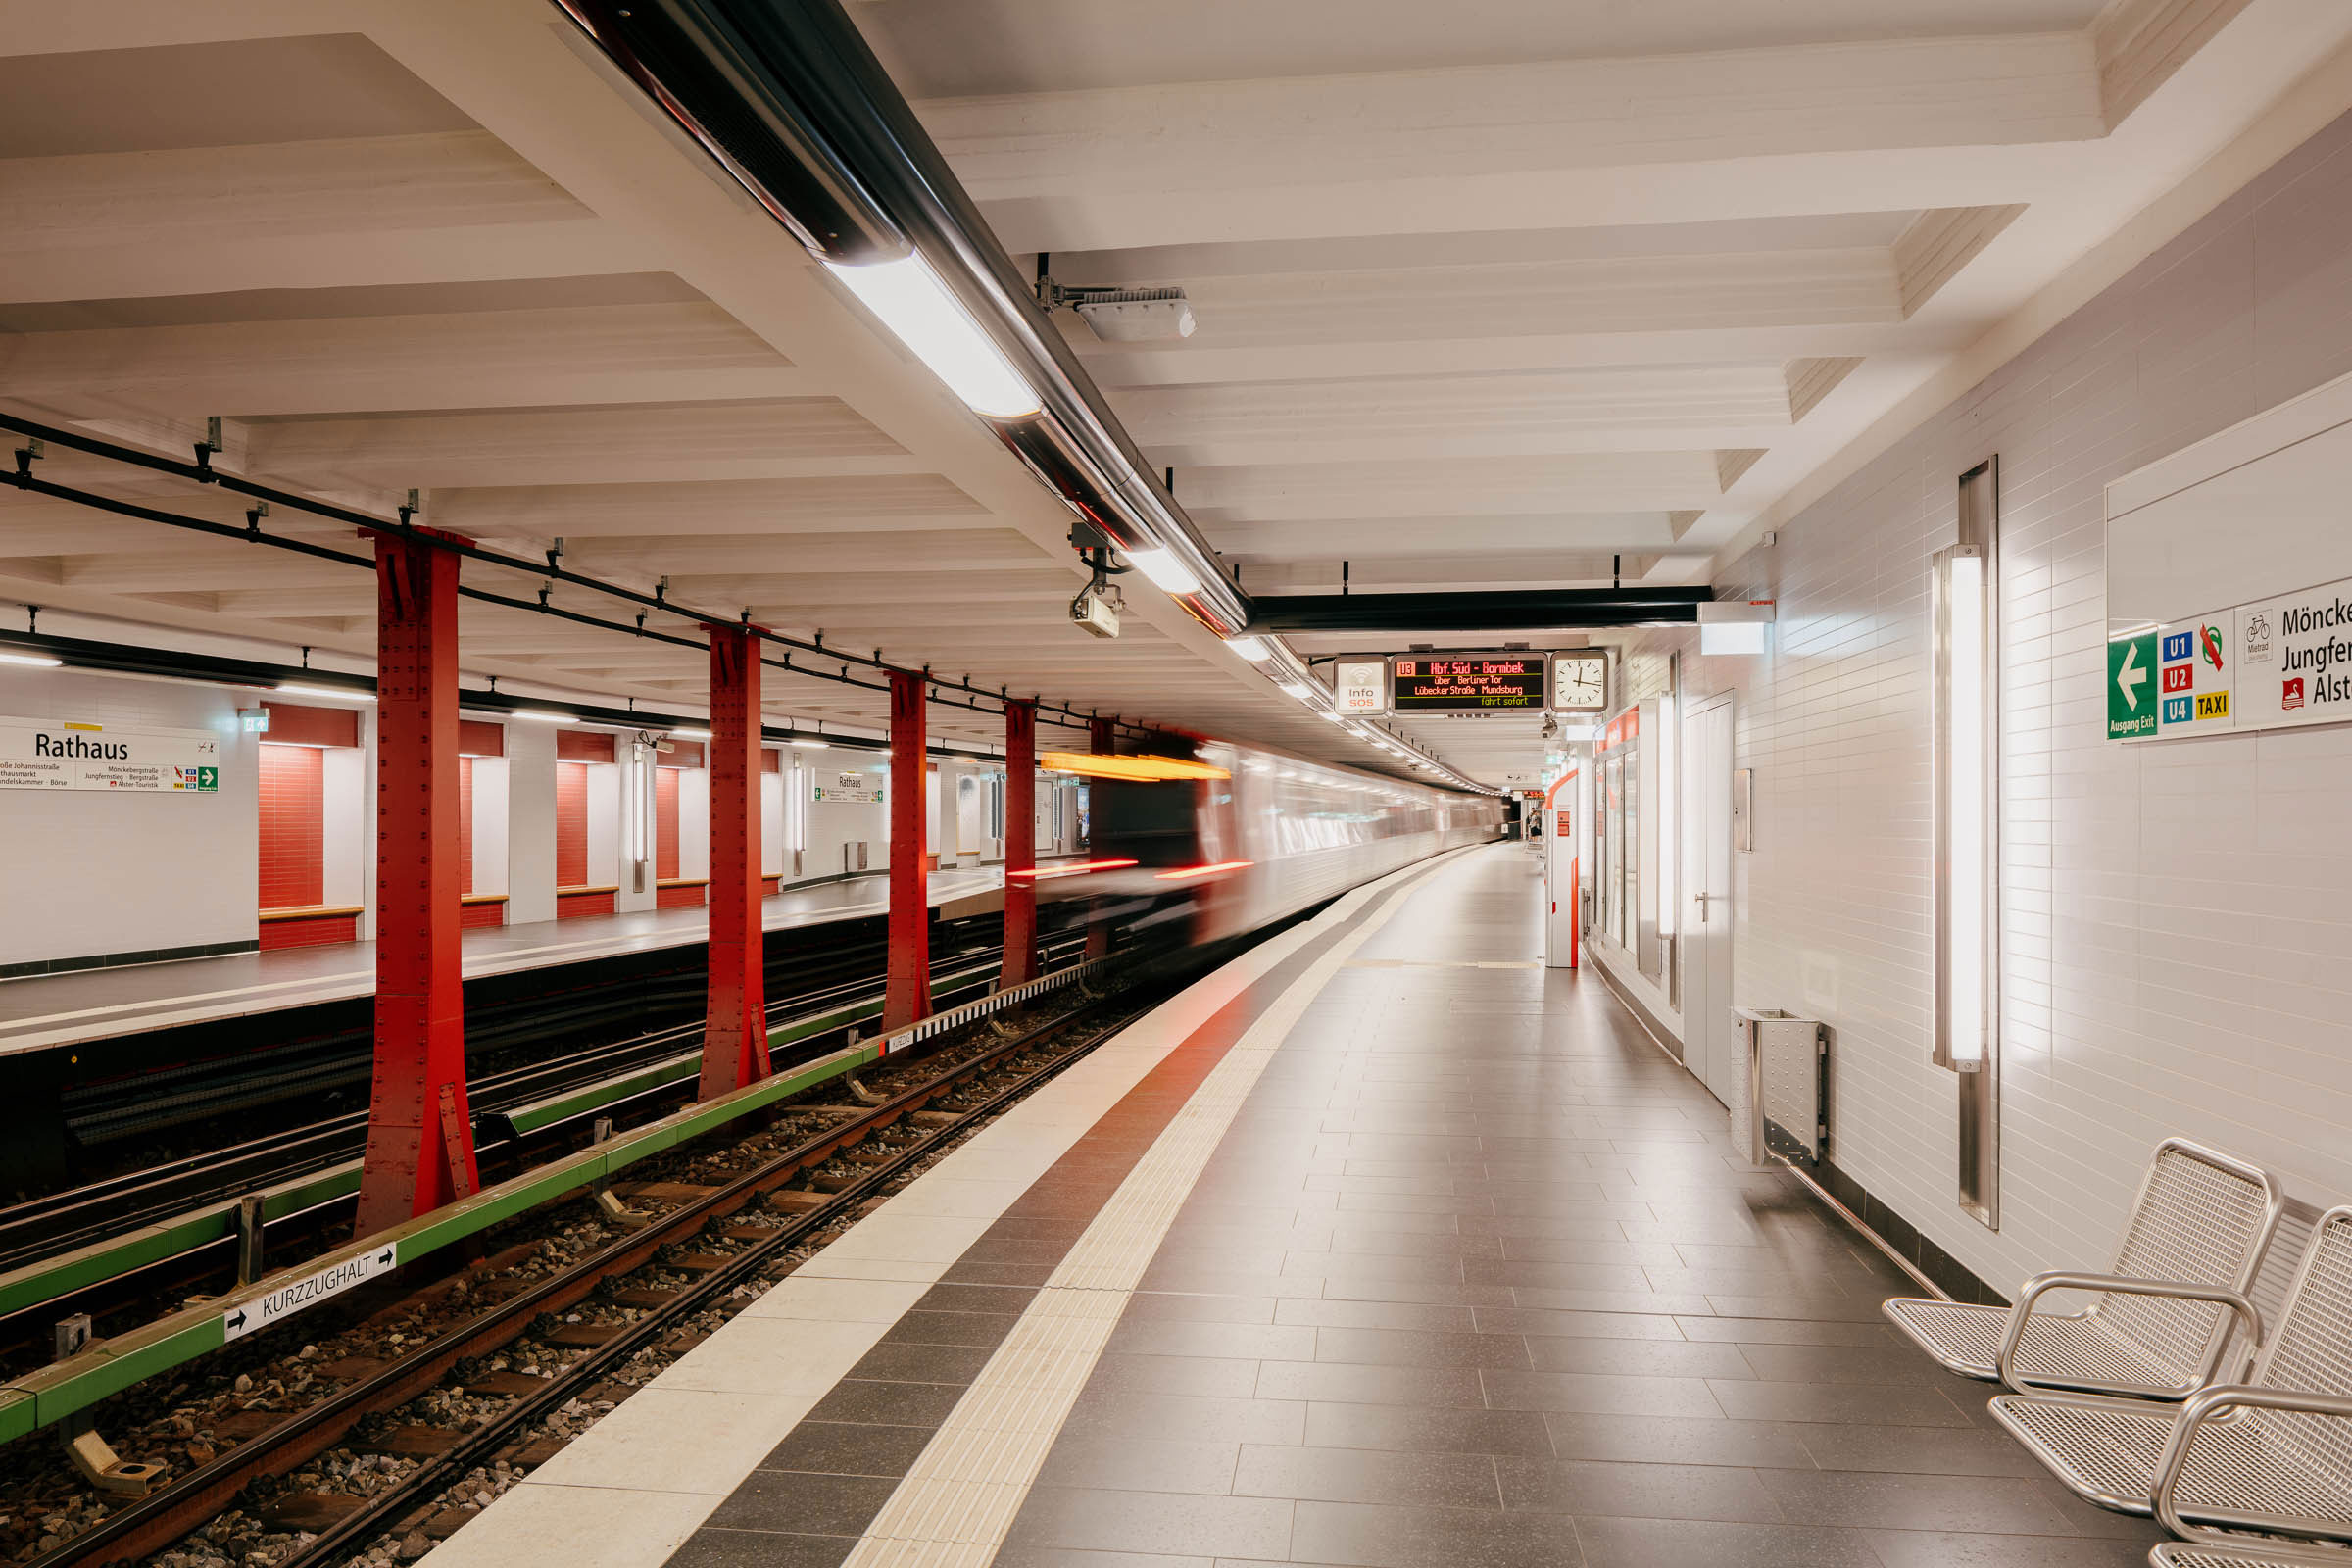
x: 956, y: 1503
x: 629, y: 1492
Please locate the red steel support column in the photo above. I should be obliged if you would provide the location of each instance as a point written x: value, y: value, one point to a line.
x: 420, y: 1128
x: 907, y: 996
x: 1020, y: 843
x: 735, y: 1029
x: 1102, y: 739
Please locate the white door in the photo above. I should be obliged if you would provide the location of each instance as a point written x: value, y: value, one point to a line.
x: 1710, y: 1038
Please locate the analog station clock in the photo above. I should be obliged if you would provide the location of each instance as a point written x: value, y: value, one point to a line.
x: 1580, y: 683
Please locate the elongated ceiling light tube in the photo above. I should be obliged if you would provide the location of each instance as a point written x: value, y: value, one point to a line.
x: 1165, y: 570
x: 1253, y: 648
x: 909, y: 298
x: 36, y: 661
x: 340, y: 693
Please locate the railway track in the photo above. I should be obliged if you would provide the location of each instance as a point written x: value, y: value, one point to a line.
x: 629, y: 1073
x: 858, y: 1149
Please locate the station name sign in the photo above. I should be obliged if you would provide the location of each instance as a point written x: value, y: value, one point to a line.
x: 1460, y: 685
x: 850, y: 788
x: 38, y: 753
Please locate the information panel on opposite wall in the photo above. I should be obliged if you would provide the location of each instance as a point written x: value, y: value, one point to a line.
x: 855, y: 788
x: 2229, y: 578
x: 37, y: 754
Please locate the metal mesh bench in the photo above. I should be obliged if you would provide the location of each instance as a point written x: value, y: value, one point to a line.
x: 2254, y: 1554
x: 2272, y: 1454
x: 2201, y: 1218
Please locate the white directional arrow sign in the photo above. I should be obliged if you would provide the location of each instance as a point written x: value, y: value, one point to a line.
x: 2132, y: 676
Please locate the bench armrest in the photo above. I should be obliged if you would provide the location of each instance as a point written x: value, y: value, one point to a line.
x: 2005, y: 1362
x: 2202, y: 1408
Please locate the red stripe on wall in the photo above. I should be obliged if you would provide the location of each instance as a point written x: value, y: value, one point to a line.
x: 571, y: 824
x: 665, y: 822
x: 293, y: 822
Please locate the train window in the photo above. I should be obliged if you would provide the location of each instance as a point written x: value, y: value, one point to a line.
x: 1149, y: 822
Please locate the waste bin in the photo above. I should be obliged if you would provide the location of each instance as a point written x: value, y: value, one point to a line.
x: 1782, y: 1103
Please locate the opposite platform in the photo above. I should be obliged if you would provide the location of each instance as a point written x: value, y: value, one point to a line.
x: 1383, y: 1247
x: 43, y: 1011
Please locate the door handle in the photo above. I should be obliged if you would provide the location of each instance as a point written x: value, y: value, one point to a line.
x: 1703, y: 899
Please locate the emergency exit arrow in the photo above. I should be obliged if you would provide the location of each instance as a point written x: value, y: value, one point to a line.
x: 2129, y: 677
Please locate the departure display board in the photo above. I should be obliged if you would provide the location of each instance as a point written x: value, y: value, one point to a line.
x: 1463, y: 685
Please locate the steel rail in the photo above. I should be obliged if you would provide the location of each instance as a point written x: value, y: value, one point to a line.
x: 165, y: 1515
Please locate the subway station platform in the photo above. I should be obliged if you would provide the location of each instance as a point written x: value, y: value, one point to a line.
x: 1382, y: 1247
x: 39, y: 1012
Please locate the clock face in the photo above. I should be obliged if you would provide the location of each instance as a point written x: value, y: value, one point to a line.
x: 1581, y: 685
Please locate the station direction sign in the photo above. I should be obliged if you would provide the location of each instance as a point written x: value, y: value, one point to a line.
x: 2273, y: 663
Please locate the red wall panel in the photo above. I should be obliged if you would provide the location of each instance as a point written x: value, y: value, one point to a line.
x: 317, y: 931
x: 583, y: 746
x: 570, y: 904
x: 464, y: 824
x: 571, y: 824
x: 665, y: 822
x: 313, y: 727
x: 692, y: 895
x: 478, y: 737
x: 293, y: 821
x: 472, y: 916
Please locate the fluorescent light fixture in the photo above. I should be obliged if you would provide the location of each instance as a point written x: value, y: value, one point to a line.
x: 1670, y: 805
x: 967, y: 761
x: 340, y: 693
x: 1336, y: 718
x: 1964, y: 809
x: 1165, y: 571
x: 920, y: 310
x: 814, y: 745
x: 1297, y: 689
x: 690, y: 734
x: 539, y: 716
x: 36, y: 661
x: 1256, y: 650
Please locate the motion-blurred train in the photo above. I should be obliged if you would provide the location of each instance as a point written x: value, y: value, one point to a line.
x: 1275, y: 836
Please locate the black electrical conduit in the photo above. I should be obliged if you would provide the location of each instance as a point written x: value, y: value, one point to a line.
x: 202, y: 471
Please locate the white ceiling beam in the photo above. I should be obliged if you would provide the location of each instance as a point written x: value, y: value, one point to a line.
x: 445, y: 206
x: 689, y: 558
x: 683, y: 350
x: 1367, y: 153
x: 1253, y: 542
x: 1613, y: 482
x: 1185, y: 365
x: 1661, y: 409
x: 873, y: 504
x: 776, y: 439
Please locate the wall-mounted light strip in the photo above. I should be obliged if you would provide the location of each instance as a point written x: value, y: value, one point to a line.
x: 1965, y: 694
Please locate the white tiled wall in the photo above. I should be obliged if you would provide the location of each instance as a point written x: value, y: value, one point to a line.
x: 2177, y: 918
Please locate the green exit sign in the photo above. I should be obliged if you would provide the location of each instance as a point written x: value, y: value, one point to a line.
x: 2131, y: 687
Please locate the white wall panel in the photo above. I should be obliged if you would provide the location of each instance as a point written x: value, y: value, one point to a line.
x: 2174, y: 923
